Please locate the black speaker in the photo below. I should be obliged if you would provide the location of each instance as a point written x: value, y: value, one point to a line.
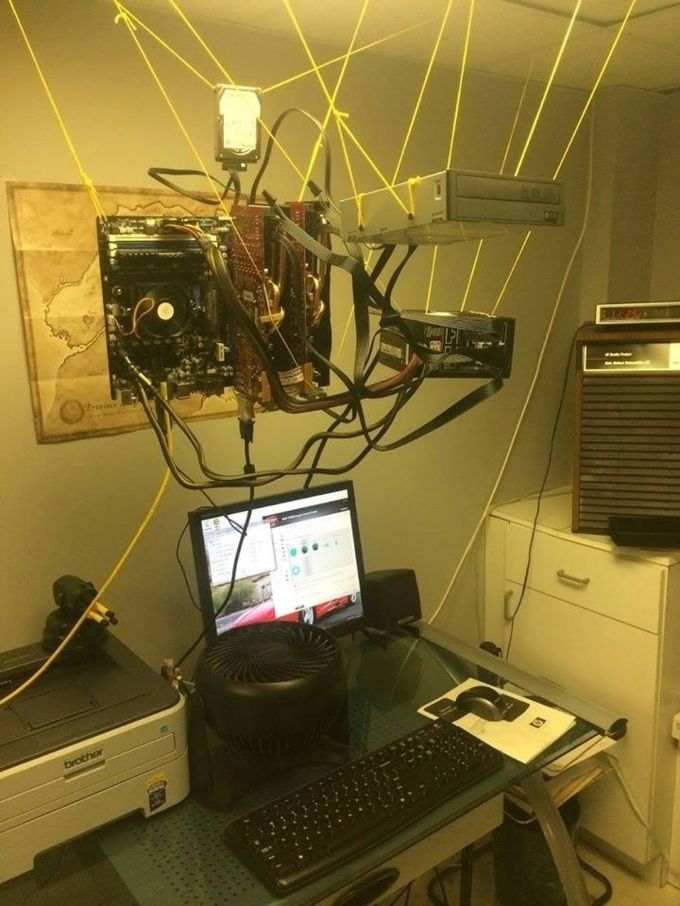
x: 392, y: 598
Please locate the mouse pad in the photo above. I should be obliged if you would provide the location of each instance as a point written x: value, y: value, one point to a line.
x: 523, y: 738
x: 445, y: 707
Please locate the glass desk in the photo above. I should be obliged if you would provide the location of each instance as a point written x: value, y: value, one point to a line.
x: 180, y: 857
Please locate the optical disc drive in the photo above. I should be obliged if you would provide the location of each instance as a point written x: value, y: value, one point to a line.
x: 451, y: 206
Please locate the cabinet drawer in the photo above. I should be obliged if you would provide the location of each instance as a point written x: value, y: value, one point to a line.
x: 598, y: 580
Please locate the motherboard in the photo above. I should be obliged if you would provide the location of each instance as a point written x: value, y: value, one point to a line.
x: 168, y: 319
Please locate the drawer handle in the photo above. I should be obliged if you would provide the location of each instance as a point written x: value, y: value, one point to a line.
x: 566, y: 577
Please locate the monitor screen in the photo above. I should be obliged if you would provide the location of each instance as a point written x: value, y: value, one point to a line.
x: 300, y: 561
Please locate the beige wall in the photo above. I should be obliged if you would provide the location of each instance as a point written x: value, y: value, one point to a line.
x: 665, y: 281
x: 632, y: 242
x: 72, y: 508
x: 622, y: 247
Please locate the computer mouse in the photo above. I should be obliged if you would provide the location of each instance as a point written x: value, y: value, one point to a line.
x: 482, y: 701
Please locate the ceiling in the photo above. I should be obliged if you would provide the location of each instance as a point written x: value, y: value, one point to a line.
x: 513, y: 38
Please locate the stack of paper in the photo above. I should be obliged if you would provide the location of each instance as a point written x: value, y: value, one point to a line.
x: 563, y: 786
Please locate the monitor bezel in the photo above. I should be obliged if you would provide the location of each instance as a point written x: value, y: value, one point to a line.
x: 201, y: 568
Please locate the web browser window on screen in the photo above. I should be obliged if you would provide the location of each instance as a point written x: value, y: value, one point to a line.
x: 297, y: 562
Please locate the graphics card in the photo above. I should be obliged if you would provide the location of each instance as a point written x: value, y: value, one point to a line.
x: 458, y: 344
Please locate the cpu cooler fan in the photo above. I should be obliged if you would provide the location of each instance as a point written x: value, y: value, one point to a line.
x: 164, y: 311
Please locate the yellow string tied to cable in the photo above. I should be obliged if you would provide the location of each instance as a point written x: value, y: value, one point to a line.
x: 348, y: 165
x: 137, y: 21
x: 124, y: 16
x: 360, y: 210
x: 92, y: 192
x: 410, y: 185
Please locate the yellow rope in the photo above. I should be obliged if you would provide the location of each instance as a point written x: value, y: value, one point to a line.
x: 228, y: 77
x: 512, y: 271
x: 331, y: 106
x: 596, y: 84
x: 202, y: 165
x: 369, y: 160
x: 348, y: 164
x: 548, y: 86
x: 517, y: 113
x: 348, y: 324
x: 334, y: 60
x: 87, y: 182
x: 471, y: 275
x: 338, y: 114
x: 433, y: 264
x: 201, y: 41
x: 166, y: 46
x: 123, y: 17
x: 501, y: 168
x: 454, y: 126
x: 459, y: 93
x: 419, y: 100
x: 102, y: 591
x: 579, y: 122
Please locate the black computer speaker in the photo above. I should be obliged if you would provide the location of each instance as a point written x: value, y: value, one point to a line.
x: 392, y: 598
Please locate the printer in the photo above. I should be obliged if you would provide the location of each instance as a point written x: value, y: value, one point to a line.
x: 92, y: 740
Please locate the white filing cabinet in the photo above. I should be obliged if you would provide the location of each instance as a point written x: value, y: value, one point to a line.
x: 604, y: 622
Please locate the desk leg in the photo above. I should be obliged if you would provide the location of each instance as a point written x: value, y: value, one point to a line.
x: 466, y: 867
x: 559, y: 842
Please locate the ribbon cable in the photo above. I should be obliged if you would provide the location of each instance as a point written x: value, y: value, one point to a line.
x: 461, y: 406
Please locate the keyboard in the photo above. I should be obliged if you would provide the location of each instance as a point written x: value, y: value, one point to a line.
x: 327, y: 822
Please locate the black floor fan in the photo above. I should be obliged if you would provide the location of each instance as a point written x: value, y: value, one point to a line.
x: 268, y: 697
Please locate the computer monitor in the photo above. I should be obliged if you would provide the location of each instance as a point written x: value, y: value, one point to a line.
x: 300, y: 561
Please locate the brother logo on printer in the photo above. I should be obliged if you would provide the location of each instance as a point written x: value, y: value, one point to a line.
x: 81, y: 759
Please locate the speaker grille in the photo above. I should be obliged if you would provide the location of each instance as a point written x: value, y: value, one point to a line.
x: 627, y: 448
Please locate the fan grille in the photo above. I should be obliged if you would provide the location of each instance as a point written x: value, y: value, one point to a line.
x: 270, y: 653
x: 272, y: 687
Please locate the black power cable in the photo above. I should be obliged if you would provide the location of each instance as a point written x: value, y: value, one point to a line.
x: 159, y: 174
x: 525, y: 579
x: 182, y: 568
x: 259, y: 478
x: 237, y: 554
x: 402, y: 386
x: 319, y: 451
x: 270, y: 145
x: 608, y: 892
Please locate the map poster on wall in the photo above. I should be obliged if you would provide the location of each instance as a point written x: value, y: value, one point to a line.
x: 54, y: 235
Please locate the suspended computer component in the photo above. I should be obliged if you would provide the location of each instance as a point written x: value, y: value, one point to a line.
x: 167, y: 317
x: 451, y: 206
